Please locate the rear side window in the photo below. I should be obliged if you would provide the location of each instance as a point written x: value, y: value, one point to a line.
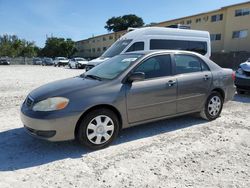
x: 157, y: 66
x: 188, y: 64
x: 137, y: 46
x: 194, y: 46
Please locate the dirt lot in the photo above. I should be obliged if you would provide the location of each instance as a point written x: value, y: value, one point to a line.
x: 181, y: 152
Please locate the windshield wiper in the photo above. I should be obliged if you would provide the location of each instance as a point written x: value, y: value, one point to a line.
x: 93, y: 77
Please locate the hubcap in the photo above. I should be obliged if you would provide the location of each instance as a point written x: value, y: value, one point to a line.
x: 100, y: 129
x: 214, y: 106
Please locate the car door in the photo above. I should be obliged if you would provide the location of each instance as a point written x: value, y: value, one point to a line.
x: 155, y: 96
x: 194, y: 81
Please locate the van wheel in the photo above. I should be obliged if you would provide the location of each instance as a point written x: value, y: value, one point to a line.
x: 213, y: 106
x: 98, y: 129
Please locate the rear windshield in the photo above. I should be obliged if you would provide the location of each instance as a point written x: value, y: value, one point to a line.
x: 117, y: 48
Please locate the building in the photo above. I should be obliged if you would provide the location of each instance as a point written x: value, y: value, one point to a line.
x: 229, y: 28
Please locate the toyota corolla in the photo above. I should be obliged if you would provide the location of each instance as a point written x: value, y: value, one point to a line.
x: 127, y: 90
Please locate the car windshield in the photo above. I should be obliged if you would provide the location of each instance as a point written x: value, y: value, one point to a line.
x: 113, y: 67
x: 80, y: 59
x: 117, y: 48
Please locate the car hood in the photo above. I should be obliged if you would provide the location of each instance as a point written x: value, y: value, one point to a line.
x: 62, y: 87
x: 82, y: 62
x: 98, y: 60
x: 64, y: 61
x: 245, y: 66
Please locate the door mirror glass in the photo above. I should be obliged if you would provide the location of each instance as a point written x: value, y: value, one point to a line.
x: 136, y: 76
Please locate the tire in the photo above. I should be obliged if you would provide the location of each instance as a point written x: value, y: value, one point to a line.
x: 70, y: 66
x: 91, y: 135
x: 213, y: 106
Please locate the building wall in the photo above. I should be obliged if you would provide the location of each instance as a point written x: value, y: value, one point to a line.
x: 235, y: 24
x: 203, y: 21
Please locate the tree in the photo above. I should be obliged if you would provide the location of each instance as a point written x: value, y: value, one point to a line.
x: 58, y: 47
x: 123, y: 22
x: 12, y: 46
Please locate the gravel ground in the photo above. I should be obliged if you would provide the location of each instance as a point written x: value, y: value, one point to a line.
x: 180, y: 152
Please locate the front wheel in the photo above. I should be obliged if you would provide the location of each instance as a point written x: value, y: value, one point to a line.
x: 213, y: 106
x: 98, y: 129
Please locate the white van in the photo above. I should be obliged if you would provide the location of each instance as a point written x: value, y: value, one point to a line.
x: 157, y: 38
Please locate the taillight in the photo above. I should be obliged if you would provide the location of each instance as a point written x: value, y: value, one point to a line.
x: 233, y: 76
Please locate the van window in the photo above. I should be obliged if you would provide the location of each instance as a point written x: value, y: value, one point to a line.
x: 194, y: 46
x: 117, y: 48
x: 137, y: 46
x: 157, y: 66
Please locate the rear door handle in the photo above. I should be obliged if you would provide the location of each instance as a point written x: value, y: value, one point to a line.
x: 206, y: 77
x: 171, y: 83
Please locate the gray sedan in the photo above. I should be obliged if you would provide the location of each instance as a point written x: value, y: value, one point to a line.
x: 127, y: 90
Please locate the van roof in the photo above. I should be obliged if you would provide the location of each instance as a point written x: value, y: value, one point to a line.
x: 165, y: 31
x: 161, y: 51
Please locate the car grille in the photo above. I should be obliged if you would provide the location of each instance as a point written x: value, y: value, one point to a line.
x: 247, y: 73
x: 29, y: 102
x: 88, y: 67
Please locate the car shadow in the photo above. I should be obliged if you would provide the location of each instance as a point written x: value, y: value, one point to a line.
x: 243, y: 98
x: 18, y: 150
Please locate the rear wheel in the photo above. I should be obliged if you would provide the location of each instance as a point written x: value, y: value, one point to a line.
x: 213, y: 106
x: 98, y: 129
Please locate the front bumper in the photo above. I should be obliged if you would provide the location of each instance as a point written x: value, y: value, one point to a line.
x: 59, y: 129
x: 242, y: 83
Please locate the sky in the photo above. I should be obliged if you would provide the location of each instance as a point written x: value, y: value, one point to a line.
x: 33, y: 20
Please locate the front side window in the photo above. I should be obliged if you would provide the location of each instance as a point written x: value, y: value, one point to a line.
x: 137, y: 46
x: 157, y: 66
x: 117, y: 48
x: 188, y: 64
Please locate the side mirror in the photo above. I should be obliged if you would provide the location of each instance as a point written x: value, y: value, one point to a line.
x: 136, y: 76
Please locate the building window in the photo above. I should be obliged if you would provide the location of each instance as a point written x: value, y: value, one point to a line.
x: 240, y: 34
x: 182, y: 22
x: 98, y: 49
x: 93, y: 50
x: 93, y: 41
x: 104, y: 49
x: 104, y: 38
x: 242, y: 12
x: 215, y: 37
x: 189, y: 22
x: 216, y: 18
x: 110, y: 37
x: 205, y: 18
x: 198, y: 20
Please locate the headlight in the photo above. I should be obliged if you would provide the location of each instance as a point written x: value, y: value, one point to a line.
x: 240, y: 71
x: 51, y: 104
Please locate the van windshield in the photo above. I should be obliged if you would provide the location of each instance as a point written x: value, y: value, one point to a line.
x: 117, y: 48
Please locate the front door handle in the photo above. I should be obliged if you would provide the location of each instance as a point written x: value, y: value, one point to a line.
x: 171, y: 83
x: 206, y: 77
